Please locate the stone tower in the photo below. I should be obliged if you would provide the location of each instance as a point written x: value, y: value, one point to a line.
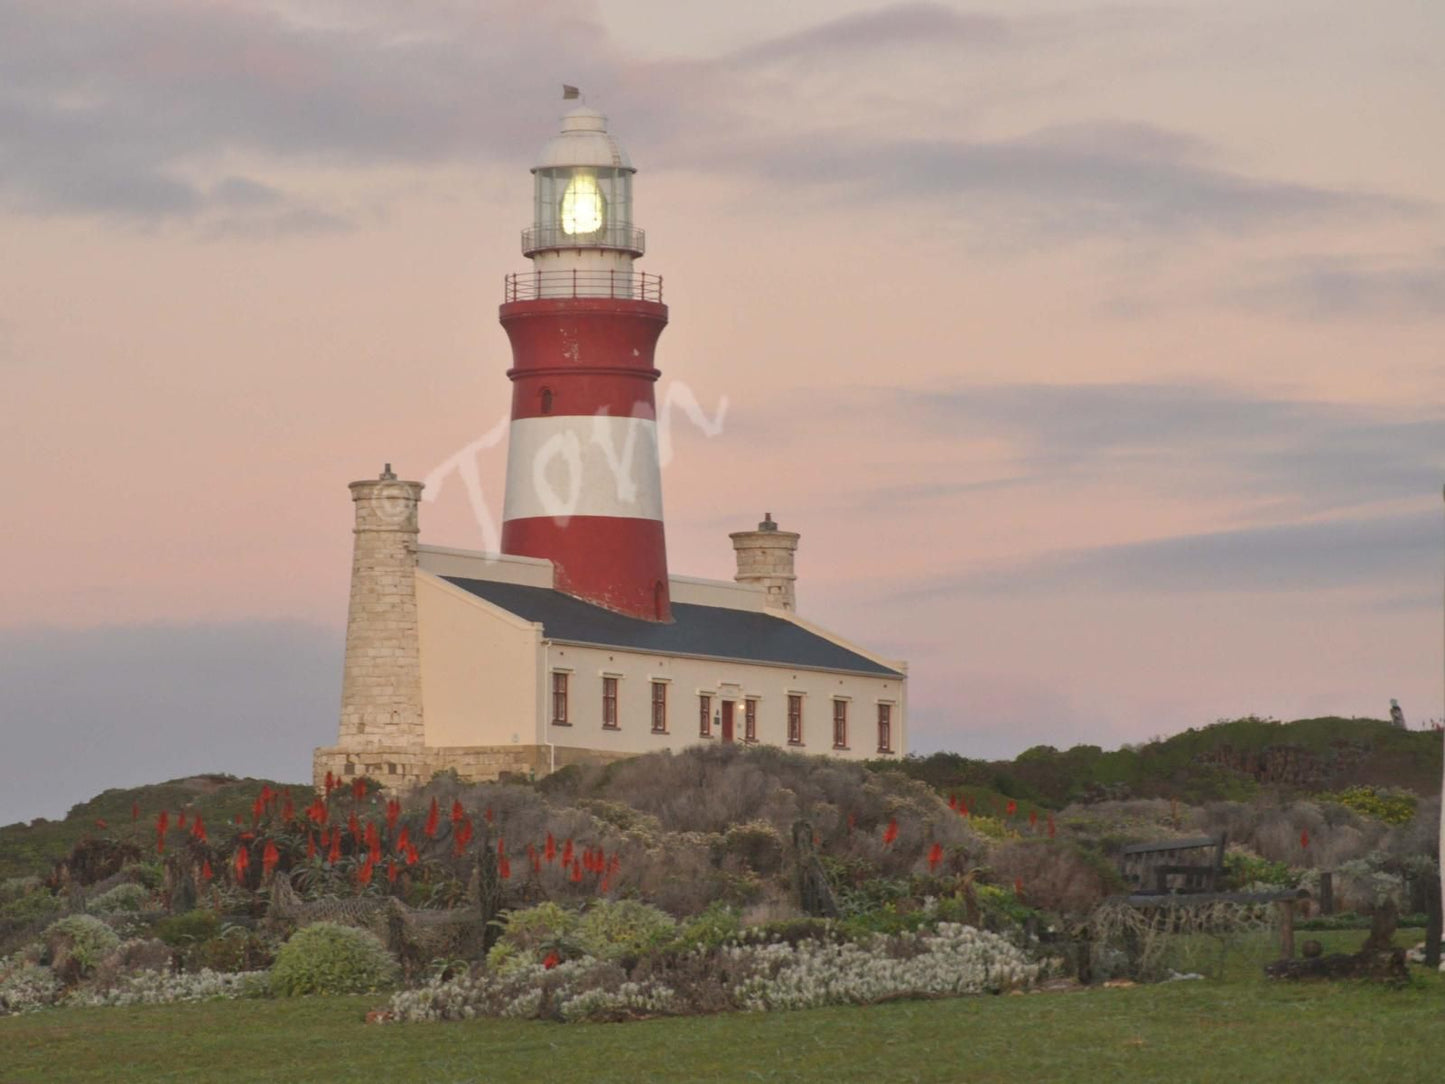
x: 381, y: 681
x: 765, y: 558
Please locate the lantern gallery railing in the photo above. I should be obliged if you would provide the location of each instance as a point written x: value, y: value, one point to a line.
x: 626, y: 285
x: 545, y: 238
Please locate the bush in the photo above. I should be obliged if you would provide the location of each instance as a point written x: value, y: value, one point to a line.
x: 77, y: 944
x: 123, y: 897
x: 328, y: 958
x: 191, y: 928
x: 616, y: 929
x: 1383, y: 804
x: 26, y: 986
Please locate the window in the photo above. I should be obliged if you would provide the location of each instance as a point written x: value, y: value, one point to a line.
x: 609, y: 703
x: 795, y: 719
x: 750, y: 720
x: 659, y: 707
x: 546, y: 398
x: 704, y: 716
x: 840, y: 724
x: 885, y: 728
x: 559, y: 697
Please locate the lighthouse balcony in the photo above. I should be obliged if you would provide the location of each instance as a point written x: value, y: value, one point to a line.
x: 620, y: 284
x: 556, y: 238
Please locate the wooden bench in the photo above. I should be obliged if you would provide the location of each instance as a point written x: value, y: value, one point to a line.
x: 1173, y: 867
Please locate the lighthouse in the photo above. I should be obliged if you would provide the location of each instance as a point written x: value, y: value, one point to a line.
x: 584, y: 486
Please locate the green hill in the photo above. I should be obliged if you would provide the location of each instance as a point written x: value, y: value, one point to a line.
x: 129, y: 814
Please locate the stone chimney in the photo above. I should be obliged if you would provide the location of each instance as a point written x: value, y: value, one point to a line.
x: 381, y: 681
x: 765, y: 558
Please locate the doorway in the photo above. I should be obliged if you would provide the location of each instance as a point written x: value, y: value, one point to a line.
x: 727, y: 720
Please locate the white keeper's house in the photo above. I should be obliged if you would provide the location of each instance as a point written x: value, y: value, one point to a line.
x: 575, y: 643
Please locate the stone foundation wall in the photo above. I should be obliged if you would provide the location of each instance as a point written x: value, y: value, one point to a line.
x: 402, y: 767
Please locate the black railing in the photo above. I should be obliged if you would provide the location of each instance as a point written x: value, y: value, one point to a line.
x: 624, y: 285
x: 621, y: 238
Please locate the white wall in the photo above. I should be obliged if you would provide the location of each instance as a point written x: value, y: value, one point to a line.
x: 479, y: 668
x: 688, y: 677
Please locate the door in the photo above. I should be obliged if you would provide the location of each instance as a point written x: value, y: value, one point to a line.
x: 727, y: 720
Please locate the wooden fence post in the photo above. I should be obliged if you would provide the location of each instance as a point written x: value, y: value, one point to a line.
x: 1286, y: 929
x: 1327, y: 892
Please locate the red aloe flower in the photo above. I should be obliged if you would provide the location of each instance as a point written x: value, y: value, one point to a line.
x: 605, y: 885
x: 243, y: 863
x: 457, y: 811
x: 163, y: 822
x: 1012, y: 808
x: 890, y: 833
x: 433, y: 819
x: 363, y: 875
x: 410, y: 854
x: 576, y: 870
x: 535, y: 857
x: 567, y: 853
x: 551, y: 961
x: 330, y: 784
x: 358, y: 789
x: 501, y: 846
x: 269, y: 857
x: 489, y: 814
x: 373, y: 837
x: 206, y: 873
x: 463, y: 835
x: 198, y: 828
x: 353, y: 826
x: 393, y: 871
x: 288, y: 809
x: 504, y: 867
x: 1019, y: 887
x: 953, y: 802
x: 403, y: 841
x: 551, y: 849
x: 100, y: 823
x: 135, y: 811
x: 334, y: 854
x: 935, y: 856
x: 1304, y: 838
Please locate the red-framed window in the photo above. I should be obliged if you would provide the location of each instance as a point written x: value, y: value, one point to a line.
x: 609, y: 703
x: 704, y: 715
x: 750, y: 720
x: 659, y: 707
x: 840, y: 724
x: 559, y: 697
x: 885, y: 728
x: 795, y: 719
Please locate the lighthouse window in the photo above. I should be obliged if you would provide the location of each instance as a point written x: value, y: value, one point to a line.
x: 795, y: 719
x: 885, y: 728
x: 583, y: 205
x: 704, y: 716
x: 546, y: 400
x: 609, y: 703
x: 559, y: 698
x: 840, y: 724
x: 659, y: 707
x: 750, y: 720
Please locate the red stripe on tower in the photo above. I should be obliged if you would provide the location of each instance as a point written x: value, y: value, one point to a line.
x: 584, y: 485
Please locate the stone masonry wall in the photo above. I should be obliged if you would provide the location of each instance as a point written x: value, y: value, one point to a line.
x: 765, y: 558
x: 401, y: 767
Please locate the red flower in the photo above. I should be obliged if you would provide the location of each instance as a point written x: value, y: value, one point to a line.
x: 310, y: 845
x: 535, y: 857
x: 363, y: 875
x: 135, y: 811
x: 890, y: 833
x: 551, y: 961
x: 353, y: 826
x: 462, y: 835
x: 269, y: 857
x: 206, y: 873
x: 1304, y: 838
x: 1019, y: 887
x: 393, y: 871
x: 330, y: 784
x: 1051, y: 826
x: 160, y: 844
x: 551, y: 849
x: 504, y: 867
x: 334, y: 854
x: 198, y: 828
x: 100, y: 823
x: 501, y: 846
x: 243, y: 863
x: 257, y: 808
x: 457, y: 811
x: 163, y: 822
x: 935, y: 856
x: 373, y: 838
x: 288, y: 809
x: 403, y: 841
x: 410, y: 855
x: 576, y: 871
x: 358, y: 789
x: 1012, y: 808
x: 1033, y: 818
x: 433, y: 819
x: 489, y: 814
x: 567, y: 853
x: 953, y: 802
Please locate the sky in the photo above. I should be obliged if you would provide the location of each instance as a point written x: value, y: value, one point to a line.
x: 1095, y: 350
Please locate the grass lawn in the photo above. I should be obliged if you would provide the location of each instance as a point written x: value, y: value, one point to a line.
x: 1236, y: 1029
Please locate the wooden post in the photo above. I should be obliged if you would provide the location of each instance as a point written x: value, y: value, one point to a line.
x: 1327, y: 892
x: 1433, y: 924
x: 1286, y: 929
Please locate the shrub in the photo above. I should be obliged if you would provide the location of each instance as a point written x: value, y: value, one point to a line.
x: 26, y: 986
x: 544, y: 928
x: 77, y: 944
x: 191, y: 928
x: 718, y: 924
x: 616, y: 929
x: 162, y: 988
x: 328, y: 958
x: 29, y: 907
x: 123, y: 897
x: 1242, y: 868
x: 1383, y: 804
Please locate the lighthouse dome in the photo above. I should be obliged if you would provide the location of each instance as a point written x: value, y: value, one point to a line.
x: 583, y: 141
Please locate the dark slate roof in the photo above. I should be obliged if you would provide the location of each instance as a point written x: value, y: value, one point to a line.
x: 710, y: 631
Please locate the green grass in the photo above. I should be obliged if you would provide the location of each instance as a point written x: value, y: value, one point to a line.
x: 1240, y: 1029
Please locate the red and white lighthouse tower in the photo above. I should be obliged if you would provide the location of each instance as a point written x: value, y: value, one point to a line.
x: 584, y: 487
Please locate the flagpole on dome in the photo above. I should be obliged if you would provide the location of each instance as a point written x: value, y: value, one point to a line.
x: 570, y: 92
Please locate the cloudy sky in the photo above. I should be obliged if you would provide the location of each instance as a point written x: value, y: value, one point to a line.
x: 1095, y: 349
